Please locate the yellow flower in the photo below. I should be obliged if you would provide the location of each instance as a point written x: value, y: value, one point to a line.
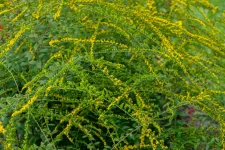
x: 30, y: 102
x: 2, y: 130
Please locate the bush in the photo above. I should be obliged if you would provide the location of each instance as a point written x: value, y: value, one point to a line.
x: 106, y: 74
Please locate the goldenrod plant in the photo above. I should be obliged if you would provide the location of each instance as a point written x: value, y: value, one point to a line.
x: 111, y: 74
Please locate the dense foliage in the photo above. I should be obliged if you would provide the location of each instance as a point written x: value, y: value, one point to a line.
x: 111, y: 74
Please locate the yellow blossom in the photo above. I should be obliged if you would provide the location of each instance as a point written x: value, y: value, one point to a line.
x: 2, y: 130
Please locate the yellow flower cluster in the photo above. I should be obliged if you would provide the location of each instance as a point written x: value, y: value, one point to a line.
x: 5, y: 11
x: 84, y: 130
x: 16, y: 18
x: 92, y: 40
x: 18, y: 48
x: 140, y: 101
x: 128, y: 147
x: 2, y: 130
x: 8, y: 146
x: 37, y: 13
x: 119, y: 98
x: 115, y: 80
x: 71, y: 114
x: 67, y: 129
x: 31, y: 101
x: 88, y: 41
x: 57, y: 14
x: 12, y: 41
